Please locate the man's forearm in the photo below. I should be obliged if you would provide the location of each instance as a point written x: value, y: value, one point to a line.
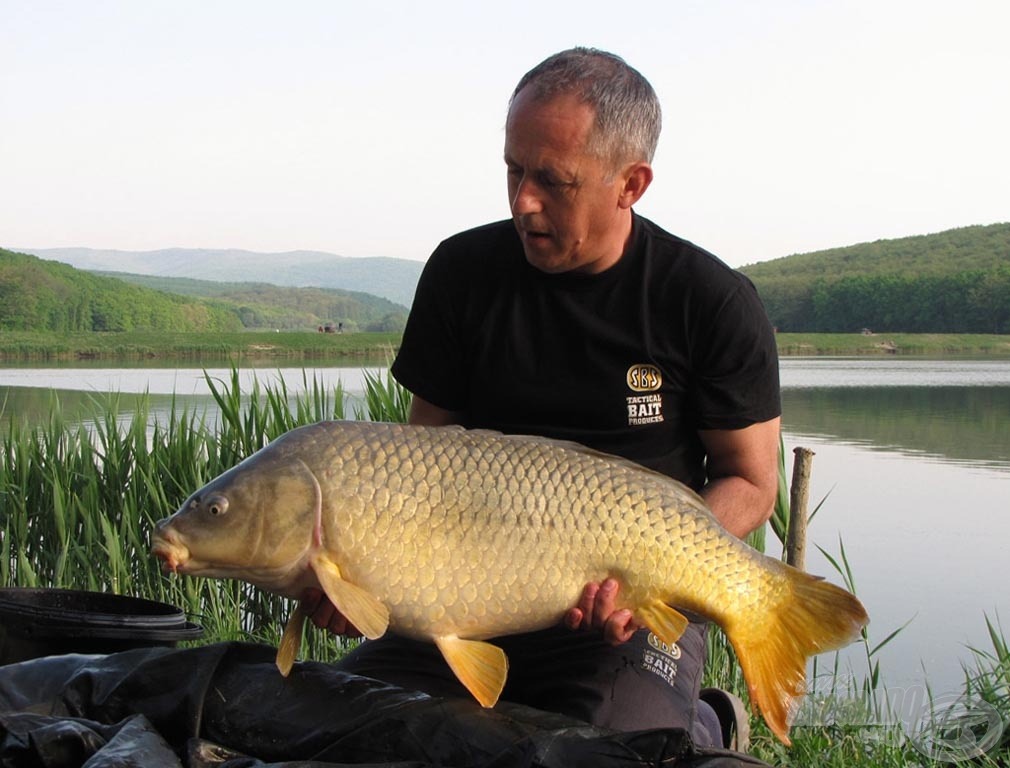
x: 739, y: 505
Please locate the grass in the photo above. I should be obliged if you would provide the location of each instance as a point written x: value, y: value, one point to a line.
x: 242, y: 347
x: 78, y: 503
x: 250, y: 346
x: 918, y: 344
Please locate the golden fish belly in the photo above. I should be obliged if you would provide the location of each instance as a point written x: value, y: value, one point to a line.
x: 482, y: 537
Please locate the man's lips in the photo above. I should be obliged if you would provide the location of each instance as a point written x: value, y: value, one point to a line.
x: 530, y: 228
x: 535, y: 236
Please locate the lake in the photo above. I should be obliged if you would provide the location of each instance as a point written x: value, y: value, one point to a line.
x: 912, y: 462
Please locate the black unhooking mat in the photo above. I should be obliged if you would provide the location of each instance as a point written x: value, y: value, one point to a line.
x: 226, y: 705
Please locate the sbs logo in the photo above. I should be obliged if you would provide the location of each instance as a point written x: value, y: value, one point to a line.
x: 643, y: 377
x: 673, y: 651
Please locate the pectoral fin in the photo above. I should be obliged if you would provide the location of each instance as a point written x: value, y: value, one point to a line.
x: 665, y: 622
x: 480, y: 666
x: 291, y: 641
x: 363, y: 609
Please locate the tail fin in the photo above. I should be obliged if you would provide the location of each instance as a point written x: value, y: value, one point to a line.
x: 813, y: 616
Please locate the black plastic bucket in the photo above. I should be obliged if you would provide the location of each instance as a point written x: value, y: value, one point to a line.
x: 48, y: 622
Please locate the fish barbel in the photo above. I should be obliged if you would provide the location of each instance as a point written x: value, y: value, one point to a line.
x: 434, y: 532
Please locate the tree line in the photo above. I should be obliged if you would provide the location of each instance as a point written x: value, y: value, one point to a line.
x: 952, y: 282
x: 973, y: 301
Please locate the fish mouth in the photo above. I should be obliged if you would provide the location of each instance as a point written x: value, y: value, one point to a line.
x: 174, y: 557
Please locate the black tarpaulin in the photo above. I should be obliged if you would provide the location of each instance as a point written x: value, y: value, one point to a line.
x: 226, y: 705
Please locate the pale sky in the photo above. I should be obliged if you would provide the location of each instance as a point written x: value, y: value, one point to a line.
x: 376, y: 128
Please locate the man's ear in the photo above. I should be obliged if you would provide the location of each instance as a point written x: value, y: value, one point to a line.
x: 637, y: 178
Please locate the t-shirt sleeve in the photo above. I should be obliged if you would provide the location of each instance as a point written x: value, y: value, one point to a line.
x: 429, y: 362
x: 736, y: 361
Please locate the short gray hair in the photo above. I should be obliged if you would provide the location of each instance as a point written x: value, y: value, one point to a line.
x: 628, y: 117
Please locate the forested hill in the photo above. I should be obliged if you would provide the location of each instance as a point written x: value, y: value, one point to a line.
x: 956, y: 281
x: 393, y: 279
x: 47, y: 295
x: 41, y: 295
x: 263, y: 305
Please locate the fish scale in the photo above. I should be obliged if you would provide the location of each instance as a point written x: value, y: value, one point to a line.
x: 457, y: 537
x: 606, y: 540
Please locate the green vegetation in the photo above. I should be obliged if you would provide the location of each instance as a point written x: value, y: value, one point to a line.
x: 951, y: 282
x: 393, y: 279
x: 38, y: 295
x: 194, y: 347
x: 169, y: 347
x: 954, y: 282
x: 261, y: 305
x: 78, y: 502
x: 893, y: 416
x: 47, y: 296
x: 918, y: 344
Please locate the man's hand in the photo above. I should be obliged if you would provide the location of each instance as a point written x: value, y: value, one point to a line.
x: 321, y: 611
x: 596, y: 611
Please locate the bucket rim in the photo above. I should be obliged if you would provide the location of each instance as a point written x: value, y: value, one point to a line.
x: 158, y: 616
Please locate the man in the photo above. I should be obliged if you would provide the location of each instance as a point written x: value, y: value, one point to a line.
x: 580, y: 320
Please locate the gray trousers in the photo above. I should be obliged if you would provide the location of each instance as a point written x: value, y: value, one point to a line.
x: 638, y: 685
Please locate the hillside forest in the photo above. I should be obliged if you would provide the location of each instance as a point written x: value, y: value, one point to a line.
x: 41, y: 295
x: 956, y: 281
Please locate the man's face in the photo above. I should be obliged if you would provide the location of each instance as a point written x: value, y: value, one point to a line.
x: 564, y: 206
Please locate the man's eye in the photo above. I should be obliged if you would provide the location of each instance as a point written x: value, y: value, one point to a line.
x: 550, y: 181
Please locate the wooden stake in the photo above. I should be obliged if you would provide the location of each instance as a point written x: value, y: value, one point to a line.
x: 799, y: 494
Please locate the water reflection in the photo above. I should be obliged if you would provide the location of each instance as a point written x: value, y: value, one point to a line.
x: 925, y: 540
x: 963, y: 424
x: 31, y: 394
x: 178, y: 381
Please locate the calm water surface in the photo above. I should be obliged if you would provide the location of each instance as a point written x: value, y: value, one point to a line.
x: 912, y: 463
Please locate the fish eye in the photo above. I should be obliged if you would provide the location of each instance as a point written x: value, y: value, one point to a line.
x: 217, y: 505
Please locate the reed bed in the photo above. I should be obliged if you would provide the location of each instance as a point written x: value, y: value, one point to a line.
x: 78, y: 502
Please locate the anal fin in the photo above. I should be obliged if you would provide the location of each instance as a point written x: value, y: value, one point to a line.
x: 666, y: 623
x: 481, y: 667
x: 363, y: 609
x: 291, y: 641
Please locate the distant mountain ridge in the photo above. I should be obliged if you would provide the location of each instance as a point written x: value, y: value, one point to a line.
x: 389, y: 278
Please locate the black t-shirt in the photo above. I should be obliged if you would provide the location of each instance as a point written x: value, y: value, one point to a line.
x: 632, y: 361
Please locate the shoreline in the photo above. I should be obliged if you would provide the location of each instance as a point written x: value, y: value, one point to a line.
x: 893, y: 344
x: 259, y: 346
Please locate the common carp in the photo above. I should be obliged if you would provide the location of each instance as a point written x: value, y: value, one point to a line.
x: 433, y: 531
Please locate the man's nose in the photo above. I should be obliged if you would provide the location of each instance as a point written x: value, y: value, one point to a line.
x: 525, y: 197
